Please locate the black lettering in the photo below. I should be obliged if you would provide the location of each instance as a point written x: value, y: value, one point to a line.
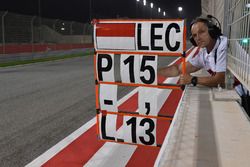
x: 177, y: 29
x: 103, y: 129
x: 108, y: 102
x: 148, y: 68
x: 155, y: 37
x: 130, y: 60
x: 132, y: 121
x: 147, y: 106
x: 148, y: 132
x: 100, y: 68
x: 140, y: 47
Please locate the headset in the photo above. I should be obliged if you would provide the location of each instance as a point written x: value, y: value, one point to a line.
x: 213, y: 24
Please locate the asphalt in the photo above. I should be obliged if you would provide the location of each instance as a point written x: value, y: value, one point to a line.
x: 42, y: 103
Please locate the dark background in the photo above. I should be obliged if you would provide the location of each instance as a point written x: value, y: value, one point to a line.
x: 85, y: 10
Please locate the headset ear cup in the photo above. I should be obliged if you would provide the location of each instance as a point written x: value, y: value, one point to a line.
x: 214, y: 32
x: 217, y: 31
x: 192, y: 41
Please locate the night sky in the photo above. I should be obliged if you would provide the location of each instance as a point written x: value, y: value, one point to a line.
x: 79, y: 10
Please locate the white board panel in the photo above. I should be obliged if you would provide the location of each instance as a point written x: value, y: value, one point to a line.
x: 108, y: 97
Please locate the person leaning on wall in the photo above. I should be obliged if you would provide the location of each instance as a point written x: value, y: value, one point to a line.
x: 206, y: 34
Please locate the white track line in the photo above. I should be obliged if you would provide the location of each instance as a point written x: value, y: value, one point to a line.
x: 112, y: 155
x: 39, y: 161
x: 120, y: 154
x: 43, y: 158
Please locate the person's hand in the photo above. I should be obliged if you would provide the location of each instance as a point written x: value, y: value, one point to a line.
x: 185, y: 79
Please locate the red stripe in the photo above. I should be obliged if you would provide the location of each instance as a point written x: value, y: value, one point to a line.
x: 161, y: 130
x: 161, y: 79
x: 146, y: 156
x: 83, y: 148
x: 171, y: 103
x: 130, y: 105
x: 143, y: 156
x: 115, y: 30
x: 78, y: 152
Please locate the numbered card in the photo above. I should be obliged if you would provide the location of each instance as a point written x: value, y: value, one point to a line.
x: 139, y: 130
x: 148, y: 101
x: 166, y: 36
x: 105, y: 67
x: 108, y: 97
x: 129, y: 129
x: 146, y: 131
x: 107, y: 126
x: 144, y: 39
x: 129, y: 68
x: 148, y: 70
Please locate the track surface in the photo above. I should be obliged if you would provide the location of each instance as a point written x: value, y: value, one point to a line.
x: 40, y: 104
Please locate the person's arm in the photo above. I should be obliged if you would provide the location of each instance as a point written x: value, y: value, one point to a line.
x: 169, y: 71
x: 175, y: 70
x: 211, y: 81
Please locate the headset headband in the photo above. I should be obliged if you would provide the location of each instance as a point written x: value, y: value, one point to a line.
x: 213, y: 24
